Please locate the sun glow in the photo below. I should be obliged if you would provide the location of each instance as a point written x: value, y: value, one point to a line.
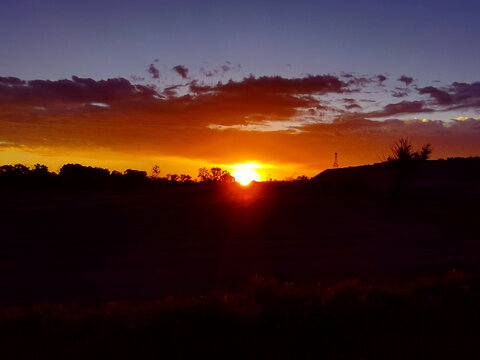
x: 244, y: 174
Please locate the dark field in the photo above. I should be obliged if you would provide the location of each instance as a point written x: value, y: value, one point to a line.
x: 136, y: 245
x: 88, y: 245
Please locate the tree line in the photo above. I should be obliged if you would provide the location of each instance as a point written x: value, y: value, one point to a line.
x: 77, y: 174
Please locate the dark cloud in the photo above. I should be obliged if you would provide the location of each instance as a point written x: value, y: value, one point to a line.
x: 225, y: 68
x: 441, y: 97
x: 405, y: 79
x: 353, y: 106
x: 361, y: 81
x: 220, y: 71
x: 319, y: 84
x: 358, y: 81
x: 77, y: 90
x: 456, y: 96
x: 466, y: 95
x: 171, y: 91
x: 404, y: 107
x: 11, y: 81
x: 347, y: 75
x: 269, y: 98
x: 381, y: 78
x: 181, y: 70
x: 398, y: 93
x: 153, y: 71
x: 132, y: 108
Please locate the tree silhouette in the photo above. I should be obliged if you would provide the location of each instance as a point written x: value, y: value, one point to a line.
x: 215, y: 174
x: 156, y: 171
x: 135, y: 174
x: 402, y: 151
x: 184, y: 177
x: 204, y: 174
x: 14, y: 170
x: 39, y: 169
x: 80, y: 171
x: 173, y: 177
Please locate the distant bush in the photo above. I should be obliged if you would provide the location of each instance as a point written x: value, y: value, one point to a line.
x: 402, y: 150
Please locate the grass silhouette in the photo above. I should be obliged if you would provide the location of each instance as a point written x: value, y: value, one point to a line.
x: 430, y: 318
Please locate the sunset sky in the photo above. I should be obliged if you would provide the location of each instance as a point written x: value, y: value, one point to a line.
x: 188, y: 84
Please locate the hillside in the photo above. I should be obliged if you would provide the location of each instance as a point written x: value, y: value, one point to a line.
x: 453, y: 174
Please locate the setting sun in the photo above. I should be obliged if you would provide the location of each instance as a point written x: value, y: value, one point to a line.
x: 244, y: 174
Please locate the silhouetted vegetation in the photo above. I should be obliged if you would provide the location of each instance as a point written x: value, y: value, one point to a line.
x: 402, y: 151
x: 81, y: 176
x: 178, y: 178
x: 21, y: 175
x: 300, y: 178
x: 215, y: 174
x: 435, y: 318
x: 378, y: 179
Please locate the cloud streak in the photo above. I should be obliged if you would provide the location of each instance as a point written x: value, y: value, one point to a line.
x: 404, y: 107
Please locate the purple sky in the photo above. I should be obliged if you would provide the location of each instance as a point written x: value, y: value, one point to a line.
x: 428, y: 40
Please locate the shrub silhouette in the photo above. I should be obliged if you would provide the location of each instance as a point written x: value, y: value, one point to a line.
x: 402, y: 150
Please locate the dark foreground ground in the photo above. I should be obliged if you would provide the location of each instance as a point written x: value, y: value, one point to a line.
x: 108, y: 254
x: 435, y: 318
x: 89, y: 245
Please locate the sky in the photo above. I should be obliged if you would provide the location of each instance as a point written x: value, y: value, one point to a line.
x: 188, y: 84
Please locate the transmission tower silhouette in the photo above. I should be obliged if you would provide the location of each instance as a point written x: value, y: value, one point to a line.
x: 335, y: 163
